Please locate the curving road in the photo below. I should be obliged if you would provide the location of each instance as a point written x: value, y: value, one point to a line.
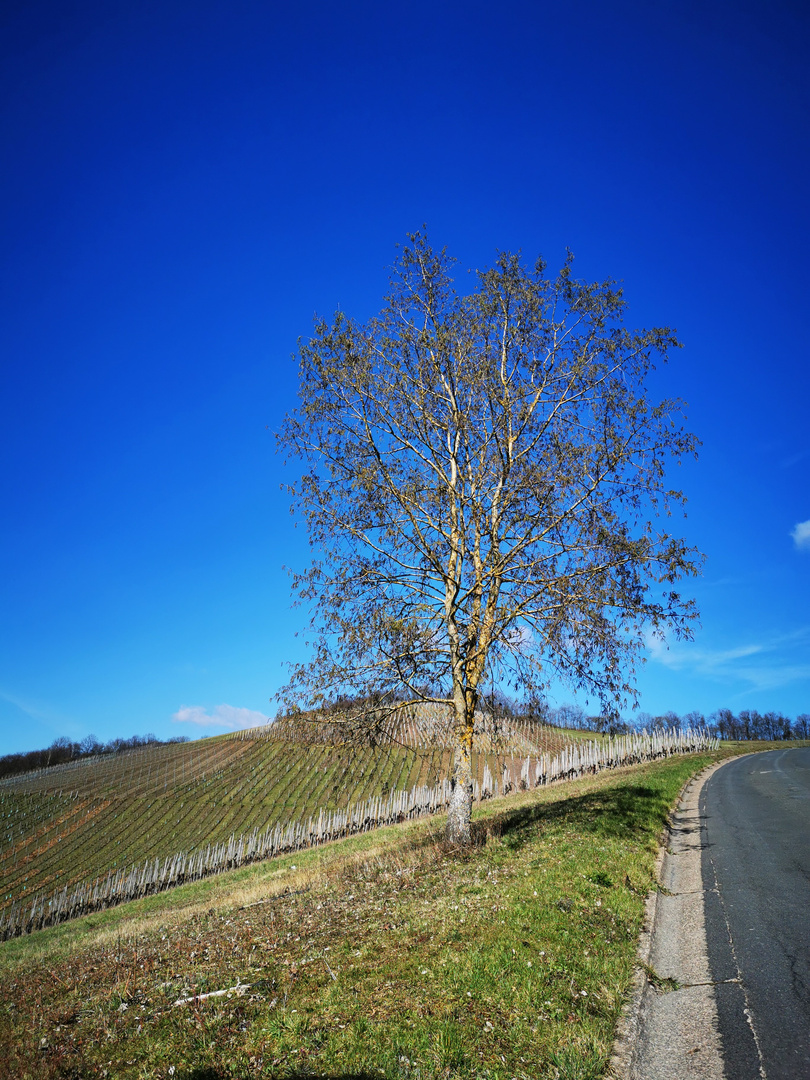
x: 755, y: 815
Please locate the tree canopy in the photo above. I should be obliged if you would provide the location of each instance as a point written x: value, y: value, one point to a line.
x: 484, y: 486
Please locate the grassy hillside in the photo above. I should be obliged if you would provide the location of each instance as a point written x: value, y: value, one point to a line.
x: 73, y: 823
x: 383, y: 955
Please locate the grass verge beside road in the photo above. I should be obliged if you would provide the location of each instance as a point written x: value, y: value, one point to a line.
x: 386, y: 955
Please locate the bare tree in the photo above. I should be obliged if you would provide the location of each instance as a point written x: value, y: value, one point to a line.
x: 725, y: 723
x: 484, y: 489
x: 694, y: 719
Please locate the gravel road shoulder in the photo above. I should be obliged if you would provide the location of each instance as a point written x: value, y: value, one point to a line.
x: 669, y: 1029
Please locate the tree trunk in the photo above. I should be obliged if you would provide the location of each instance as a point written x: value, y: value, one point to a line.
x: 459, y: 829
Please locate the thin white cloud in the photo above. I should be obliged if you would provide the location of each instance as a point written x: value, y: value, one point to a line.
x: 723, y: 582
x: 679, y: 654
x: 775, y: 669
x: 520, y: 638
x: 801, y: 536
x: 774, y: 676
x: 794, y: 459
x: 230, y: 717
x: 37, y: 711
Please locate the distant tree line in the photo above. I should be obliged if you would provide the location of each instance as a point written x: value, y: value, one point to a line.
x: 723, y: 724
x: 63, y: 750
x: 750, y: 724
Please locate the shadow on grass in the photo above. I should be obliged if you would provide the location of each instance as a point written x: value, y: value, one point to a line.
x: 630, y: 811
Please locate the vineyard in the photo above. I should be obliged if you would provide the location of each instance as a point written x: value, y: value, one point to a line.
x: 80, y: 836
x: 71, y: 823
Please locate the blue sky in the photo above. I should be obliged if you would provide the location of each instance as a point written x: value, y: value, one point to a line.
x: 183, y: 185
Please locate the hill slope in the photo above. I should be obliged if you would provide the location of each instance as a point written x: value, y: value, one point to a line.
x: 73, y: 823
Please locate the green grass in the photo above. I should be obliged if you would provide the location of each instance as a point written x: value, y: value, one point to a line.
x: 387, y: 955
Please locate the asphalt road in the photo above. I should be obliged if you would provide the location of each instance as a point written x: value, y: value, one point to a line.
x: 756, y: 876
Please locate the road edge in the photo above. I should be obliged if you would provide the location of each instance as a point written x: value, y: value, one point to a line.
x: 627, y: 1042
